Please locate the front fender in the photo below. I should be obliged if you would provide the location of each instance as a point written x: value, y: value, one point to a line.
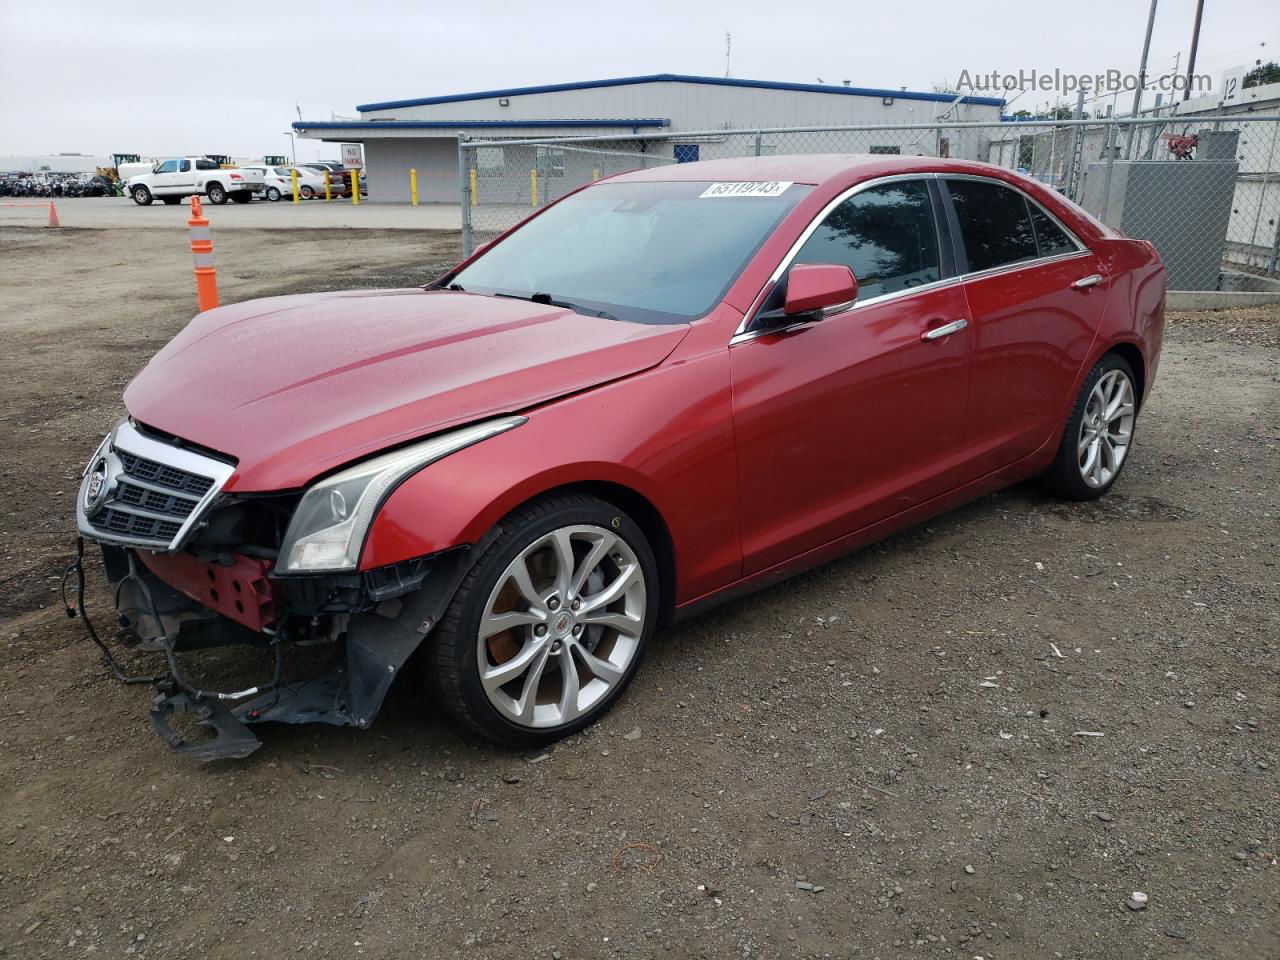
x: 665, y: 434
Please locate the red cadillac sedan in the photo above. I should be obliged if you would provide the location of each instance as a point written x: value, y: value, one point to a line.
x: 667, y: 389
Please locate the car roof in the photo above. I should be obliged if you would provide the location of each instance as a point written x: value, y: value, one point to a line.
x: 813, y: 168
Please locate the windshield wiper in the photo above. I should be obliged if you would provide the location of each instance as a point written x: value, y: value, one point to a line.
x: 552, y: 302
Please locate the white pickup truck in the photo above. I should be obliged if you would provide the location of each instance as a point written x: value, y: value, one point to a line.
x: 174, y: 180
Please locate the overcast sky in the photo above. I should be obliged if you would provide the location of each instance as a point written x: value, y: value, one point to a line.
x: 223, y: 76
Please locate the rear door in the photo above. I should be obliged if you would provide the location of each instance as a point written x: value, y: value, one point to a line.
x: 184, y: 182
x: 1032, y: 321
x: 845, y: 421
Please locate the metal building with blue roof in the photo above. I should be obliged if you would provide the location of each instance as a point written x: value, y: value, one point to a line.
x: 422, y: 133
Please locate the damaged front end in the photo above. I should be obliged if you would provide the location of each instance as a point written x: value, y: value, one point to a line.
x: 192, y: 569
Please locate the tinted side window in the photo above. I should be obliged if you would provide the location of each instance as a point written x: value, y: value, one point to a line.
x: 885, y: 235
x: 994, y: 224
x: 186, y: 165
x: 206, y: 165
x: 1050, y: 237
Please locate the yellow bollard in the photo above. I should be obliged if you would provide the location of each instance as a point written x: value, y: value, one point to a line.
x: 413, y: 186
x: 293, y: 175
x: 595, y: 174
x: 533, y: 187
x: 328, y: 195
x: 355, y: 188
x: 473, y: 186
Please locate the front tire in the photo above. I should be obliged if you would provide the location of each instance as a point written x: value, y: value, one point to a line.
x: 1095, y: 444
x: 307, y: 193
x: 142, y: 196
x: 550, y: 625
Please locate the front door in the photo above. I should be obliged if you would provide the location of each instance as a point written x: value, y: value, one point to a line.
x: 165, y: 178
x: 851, y: 419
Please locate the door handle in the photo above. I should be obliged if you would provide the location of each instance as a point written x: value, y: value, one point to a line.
x: 937, y: 333
x: 1091, y: 280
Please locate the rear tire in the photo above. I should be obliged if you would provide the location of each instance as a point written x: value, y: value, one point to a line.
x: 216, y: 193
x: 141, y: 196
x: 595, y: 620
x: 1096, y: 443
x: 307, y: 193
x: 273, y: 194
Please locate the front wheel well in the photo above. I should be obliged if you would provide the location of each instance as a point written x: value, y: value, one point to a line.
x: 1133, y: 356
x: 650, y: 520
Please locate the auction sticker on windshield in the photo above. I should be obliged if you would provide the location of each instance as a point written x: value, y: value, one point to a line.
x: 771, y: 189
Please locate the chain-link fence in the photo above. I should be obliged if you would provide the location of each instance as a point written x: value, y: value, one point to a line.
x: 1205, y: 190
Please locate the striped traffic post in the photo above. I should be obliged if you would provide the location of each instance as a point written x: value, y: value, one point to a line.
x: 202, y: 253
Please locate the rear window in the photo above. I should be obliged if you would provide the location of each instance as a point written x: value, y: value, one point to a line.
x: 994, y: 224
x: 1050, y: 238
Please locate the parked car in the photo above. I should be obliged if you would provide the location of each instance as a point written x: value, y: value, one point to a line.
x: 177, y: 178
x: 659, y: 393
x: 277, y: 183
x: 339, y: 177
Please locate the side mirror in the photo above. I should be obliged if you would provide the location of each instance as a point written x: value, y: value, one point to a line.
x: 813, y: 287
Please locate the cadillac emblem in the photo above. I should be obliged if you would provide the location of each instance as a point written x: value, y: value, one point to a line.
x: 95, y: 487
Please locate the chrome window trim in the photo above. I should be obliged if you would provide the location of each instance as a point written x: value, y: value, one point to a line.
x: 1071, y: 234
x: 743, y: 333
x: 125, y: 436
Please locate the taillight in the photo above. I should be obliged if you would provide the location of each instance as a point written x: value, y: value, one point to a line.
x: 236, y: 176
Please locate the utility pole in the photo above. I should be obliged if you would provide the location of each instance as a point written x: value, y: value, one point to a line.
x: 1195, y: 42
x: 1142, y: 80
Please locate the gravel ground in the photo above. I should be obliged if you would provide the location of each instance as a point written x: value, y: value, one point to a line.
x: 976, y: 739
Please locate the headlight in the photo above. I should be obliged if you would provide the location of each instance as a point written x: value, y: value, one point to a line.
x: 328, y: 529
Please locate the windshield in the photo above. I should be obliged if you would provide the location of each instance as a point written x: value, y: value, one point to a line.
x: 642, y: 252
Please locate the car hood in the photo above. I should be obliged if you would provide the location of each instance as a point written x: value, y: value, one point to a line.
x: 293, y: 387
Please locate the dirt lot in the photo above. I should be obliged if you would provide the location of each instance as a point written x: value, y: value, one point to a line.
x: 882, y: 758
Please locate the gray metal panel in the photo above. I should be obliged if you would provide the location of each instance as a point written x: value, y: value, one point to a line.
x: 1181, y: 206
x: 435, y: 159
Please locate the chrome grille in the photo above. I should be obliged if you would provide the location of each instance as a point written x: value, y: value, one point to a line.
x: 153, y: 500
x: 154, y: 492
x: 171, y: 477
x: 135, y: 525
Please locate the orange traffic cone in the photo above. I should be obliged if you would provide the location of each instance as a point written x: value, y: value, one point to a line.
x: 53, y: 215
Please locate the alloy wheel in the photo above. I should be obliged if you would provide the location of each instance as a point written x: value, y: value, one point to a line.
x: 562, y: 626
x: 1106, y: 429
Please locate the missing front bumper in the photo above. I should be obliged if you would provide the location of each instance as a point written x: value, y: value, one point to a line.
x: 211, y: 725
